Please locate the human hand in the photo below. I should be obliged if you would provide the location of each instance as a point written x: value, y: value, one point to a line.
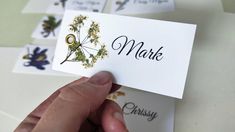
x: 79, y: 106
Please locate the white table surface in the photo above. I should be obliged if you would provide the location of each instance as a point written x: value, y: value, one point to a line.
x: 209, y: 98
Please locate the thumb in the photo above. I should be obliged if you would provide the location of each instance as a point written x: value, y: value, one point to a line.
x: 74, y: 104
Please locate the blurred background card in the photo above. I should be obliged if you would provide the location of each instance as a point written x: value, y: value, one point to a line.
x: 141, y: 6
x: 36, y: 59
x: 59, y: 6
x: 86, y: 5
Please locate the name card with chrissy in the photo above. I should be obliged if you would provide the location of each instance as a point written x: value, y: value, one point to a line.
x: 145, y: 111
x: 145, y: 54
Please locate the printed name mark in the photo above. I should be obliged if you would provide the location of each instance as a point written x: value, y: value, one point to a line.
x: 121, y: 42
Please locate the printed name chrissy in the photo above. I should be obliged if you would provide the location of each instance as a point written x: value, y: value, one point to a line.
x: 122, y: 42
x: 131, y: 108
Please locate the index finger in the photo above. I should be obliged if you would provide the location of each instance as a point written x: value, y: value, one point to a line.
x: 75, y: 103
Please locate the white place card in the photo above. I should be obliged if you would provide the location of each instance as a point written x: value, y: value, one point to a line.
x: 48, y: 28
x: 86, y: 5
x: 141, y: 6
x: 145, y: 111
x: 149, y: 55
x: 59, y: 6
x: 36, y: 59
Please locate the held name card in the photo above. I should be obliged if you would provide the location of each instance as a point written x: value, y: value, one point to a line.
x: 144, y: 54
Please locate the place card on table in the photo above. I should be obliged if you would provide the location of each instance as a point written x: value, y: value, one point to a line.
x: 59, y: 6
x: 141, y: 6
x: 86, y: 5
x: 145, y: 111
x: 36, y: 59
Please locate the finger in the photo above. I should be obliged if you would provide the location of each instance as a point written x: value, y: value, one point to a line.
x: 115, y: 87
x: 107, y: 116
x: 38, y: 112
x: 93, y: 122
x: 112, y: 118
x: 89, y: 126
x: 75, y: 103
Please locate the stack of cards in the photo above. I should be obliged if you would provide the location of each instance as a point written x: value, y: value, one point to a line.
x: 116, y: 6
x: 48, y: 29
x: 49, y: 26
x: 151, y: 57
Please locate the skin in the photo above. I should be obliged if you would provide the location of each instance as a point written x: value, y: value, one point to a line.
x: 80, y: 106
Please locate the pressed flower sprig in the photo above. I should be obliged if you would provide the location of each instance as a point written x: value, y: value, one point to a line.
x: 114, y: 96
x: 87, y: 50
x: 38, y: 58
x: 121, y: 4
x: 49, y: 25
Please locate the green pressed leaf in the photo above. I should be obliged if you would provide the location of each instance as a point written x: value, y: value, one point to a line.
x: 80, y: 56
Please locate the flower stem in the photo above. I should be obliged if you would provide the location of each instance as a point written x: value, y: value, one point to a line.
x: 66, y: 58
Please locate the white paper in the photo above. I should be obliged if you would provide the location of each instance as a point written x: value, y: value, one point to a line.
x: 40, y: 33
x: 155, y: 58
x: 86, y: 5
x: 57, y: 7
x: 39, y: 62
x: 145, y: 111
x: 141, y: 6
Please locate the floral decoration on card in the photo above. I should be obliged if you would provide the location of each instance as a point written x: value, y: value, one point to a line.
x: 36, y: 58
x: 48, y: 28
x: 114, y: 96
x: 121, y: 4
x: 49, y: 25
x: 87, y: 50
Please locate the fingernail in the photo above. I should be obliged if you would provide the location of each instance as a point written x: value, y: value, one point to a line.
x: 101, y: 78
x: 119, y: 117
